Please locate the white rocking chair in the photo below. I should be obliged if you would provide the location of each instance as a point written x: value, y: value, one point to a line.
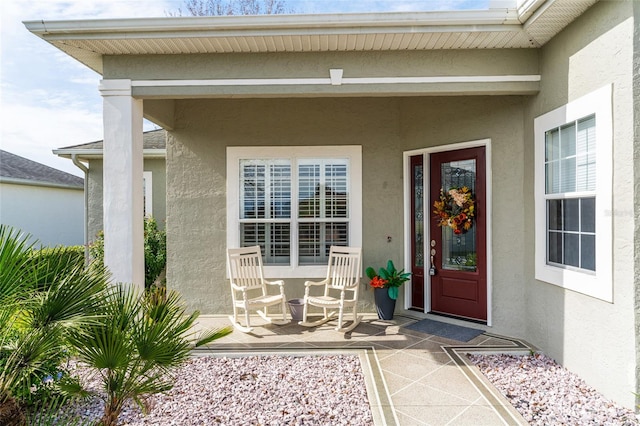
x: 249, y: 288
x: 340, y: 288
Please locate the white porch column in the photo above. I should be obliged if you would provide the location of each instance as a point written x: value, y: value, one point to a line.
x: 122, y: 183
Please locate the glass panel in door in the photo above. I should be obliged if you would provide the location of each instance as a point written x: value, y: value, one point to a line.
x: 458, y: 250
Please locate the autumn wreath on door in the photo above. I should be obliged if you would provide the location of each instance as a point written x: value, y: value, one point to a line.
x: 455, y: 209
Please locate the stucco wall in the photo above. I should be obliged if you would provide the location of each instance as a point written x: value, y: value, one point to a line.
x: 489, y: 62
x: 385, y: 127
x: 589, y: 336
x: 159, y: 178
x: 53, y: 216
x: 441, y: 121
x: 301, y: 65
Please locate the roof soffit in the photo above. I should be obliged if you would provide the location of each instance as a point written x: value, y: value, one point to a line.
x: 88, y: 40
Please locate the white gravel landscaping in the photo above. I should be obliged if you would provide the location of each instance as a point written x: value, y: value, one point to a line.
x: 254, y: 390
x: 330, y: 390
x: 545, y: 393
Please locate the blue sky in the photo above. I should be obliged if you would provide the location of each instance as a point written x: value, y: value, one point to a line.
x: 48, y: 100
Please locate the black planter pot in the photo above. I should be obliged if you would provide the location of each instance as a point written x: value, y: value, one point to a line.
x: 384, y: 304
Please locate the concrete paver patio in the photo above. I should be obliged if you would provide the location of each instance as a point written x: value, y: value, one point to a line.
x: 419, y: 378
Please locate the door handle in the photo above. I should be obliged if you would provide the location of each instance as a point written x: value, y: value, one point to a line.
x: 432, y: 269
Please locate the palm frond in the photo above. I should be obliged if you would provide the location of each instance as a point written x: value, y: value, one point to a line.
x: 136, y: 343
x: 208, y: 336
x: 73, y: 299
x: 28, y: 354
x: 14, y: 258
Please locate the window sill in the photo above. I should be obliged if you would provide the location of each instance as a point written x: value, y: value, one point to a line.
x: 282, y: 272
x: 584, y: 282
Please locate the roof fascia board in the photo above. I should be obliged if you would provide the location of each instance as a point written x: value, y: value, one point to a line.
x: 493, y: 19
x: 526, y: 8
x: 98, y: 153
x: 212, y: 33
x: 27, y: 182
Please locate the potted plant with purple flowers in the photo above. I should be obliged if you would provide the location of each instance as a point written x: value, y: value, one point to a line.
x: 385, y: 283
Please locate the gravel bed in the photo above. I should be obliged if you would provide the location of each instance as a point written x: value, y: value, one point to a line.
x: 251, y: 390
x: 545, y: 393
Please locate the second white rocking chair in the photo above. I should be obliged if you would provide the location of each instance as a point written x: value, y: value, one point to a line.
x: 249, y: 288
x: 340, y: 288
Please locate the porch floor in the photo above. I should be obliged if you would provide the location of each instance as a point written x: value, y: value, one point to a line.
x: 412, y: 378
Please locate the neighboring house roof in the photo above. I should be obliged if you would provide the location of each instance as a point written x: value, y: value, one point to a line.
x: 526, y: 24
x: 20, y: 170
x: 154, y: 145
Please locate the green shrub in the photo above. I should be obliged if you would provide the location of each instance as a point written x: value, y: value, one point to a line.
x: 155, y: 251
x: 44, y: 294
x: 47, y: 263
x: 71, y: 255
x: 96, y: 248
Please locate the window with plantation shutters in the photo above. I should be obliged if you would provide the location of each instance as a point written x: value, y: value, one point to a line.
x: 323, y: 208
x: 295, y: 203
x: 265, y: 208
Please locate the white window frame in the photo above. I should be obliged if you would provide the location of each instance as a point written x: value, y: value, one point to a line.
x: 600, y: 283
x: 353, y: 153
x: 148, y: 193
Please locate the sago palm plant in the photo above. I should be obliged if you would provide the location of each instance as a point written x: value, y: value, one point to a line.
x: 52, y: 308
x: 41, y: 300
x: 136, y: 346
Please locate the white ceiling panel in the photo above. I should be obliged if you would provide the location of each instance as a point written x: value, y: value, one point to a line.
x: 88, y: 41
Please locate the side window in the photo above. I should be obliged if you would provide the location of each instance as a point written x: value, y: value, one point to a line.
x: 573, y: 169
x: 570, y: 192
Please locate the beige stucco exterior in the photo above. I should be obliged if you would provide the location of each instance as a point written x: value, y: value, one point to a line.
x: 384, y: 127
x: 577, y: 61
x: 595, y: 338
x: 95, y: 191
x: 489, y: 62
x: 592, y: 337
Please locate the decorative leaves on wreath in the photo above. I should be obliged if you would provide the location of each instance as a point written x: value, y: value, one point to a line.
x: 455, y: 209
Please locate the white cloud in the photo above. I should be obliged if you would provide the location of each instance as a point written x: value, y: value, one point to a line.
x: 86, y: 9
x: 34, y: 131
x: 48, y: 100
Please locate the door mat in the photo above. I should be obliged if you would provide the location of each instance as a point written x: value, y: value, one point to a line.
x: 442, y: 329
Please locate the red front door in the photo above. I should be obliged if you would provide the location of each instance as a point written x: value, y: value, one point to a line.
x: 459, y: 267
